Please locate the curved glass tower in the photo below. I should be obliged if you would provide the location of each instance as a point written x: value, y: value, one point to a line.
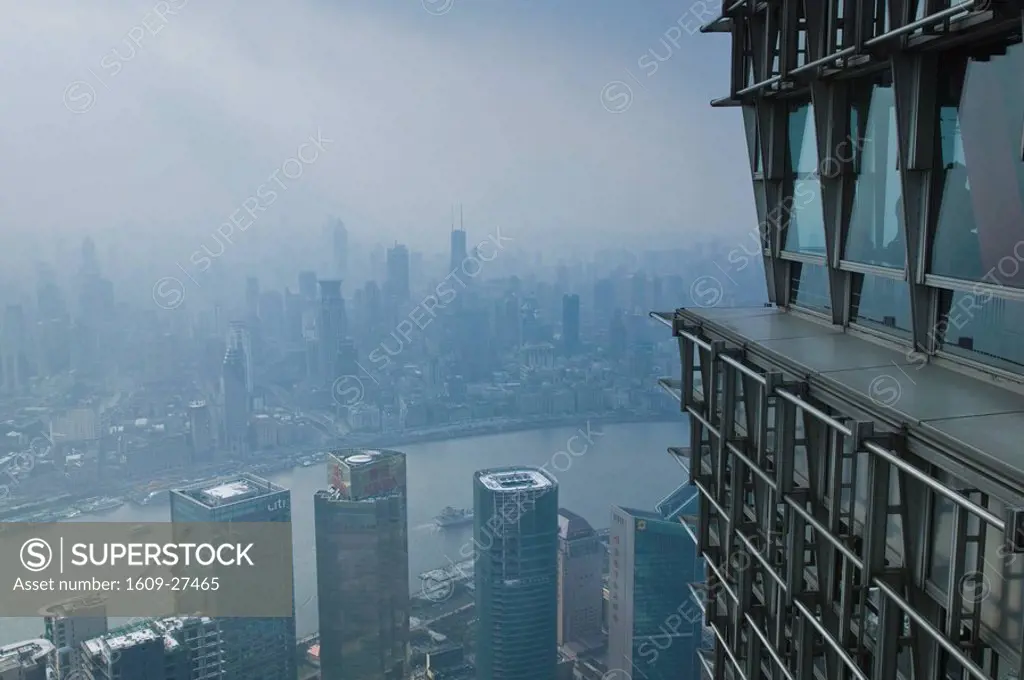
x: 516, y: 536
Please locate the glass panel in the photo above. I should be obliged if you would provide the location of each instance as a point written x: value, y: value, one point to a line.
x: 982, y: 328
x: 942, y: 536
x: 810, y: 286
x: 876, y: 234
x: 881, y: 302
x: 806, y: 230
x: 980, y: 228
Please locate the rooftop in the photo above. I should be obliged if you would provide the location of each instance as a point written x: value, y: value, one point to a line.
x: 515, y: 479
x: 23, y: 654
x: 228, y: 490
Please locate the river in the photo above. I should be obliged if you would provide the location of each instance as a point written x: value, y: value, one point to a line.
x: 627, y: 465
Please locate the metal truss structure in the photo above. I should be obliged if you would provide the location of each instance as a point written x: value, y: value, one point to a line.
x: 844, y: 540
x: 815, y: 522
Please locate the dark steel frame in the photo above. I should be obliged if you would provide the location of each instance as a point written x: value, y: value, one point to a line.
x: 816, y: 515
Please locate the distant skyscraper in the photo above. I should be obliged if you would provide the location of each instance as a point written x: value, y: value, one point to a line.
x: 241, y: 339
x: 236, y: 401
x: 252, y: 648
x: 398, y: 273
x: 331, y: 326
x: 458, y: 248
x: 570, y: 324
x: 307, y: 286
x: 580, y: 587
x: 362, y: 566
x: 200, y: 425
x: 516, y: 538
x: 13, y: 342
x: 652, y: 563
x: 272, y: 321
x: 252, y: 298
x: 339, y: 248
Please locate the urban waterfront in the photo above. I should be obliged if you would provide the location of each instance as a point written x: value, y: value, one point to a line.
x: 626, y: 465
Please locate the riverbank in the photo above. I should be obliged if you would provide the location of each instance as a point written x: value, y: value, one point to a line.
x: 494, y: 426
x: 278, y: 463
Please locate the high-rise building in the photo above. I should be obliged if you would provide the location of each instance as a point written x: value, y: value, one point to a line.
x: 654, y: 625
x: 331, y: 326
x: 570, y: 324
x: 252, y: 298
x: 68, y: 625
x: 856, y: 442
x: 458, y: 249
x: 362, y: 566
x: 252, y: 648
x: 516, y: 574
x: 308, y: 286
x: 339, y: 248
x: 581, y: 556
x: 235, y: 397
x: 240, y: 338
x: 200, y: 427
x: 398, y: 273
x: 13, y: 342
x: 174, y: 648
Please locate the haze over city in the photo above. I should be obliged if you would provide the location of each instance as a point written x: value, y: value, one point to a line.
x: 495, y: 105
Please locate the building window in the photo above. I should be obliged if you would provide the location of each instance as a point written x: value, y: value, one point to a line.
x: 881, y: 302
x: 805, y: 232
x: 983, y: 328
x: 979, y: 233
x: 876, y: 232
x: 810, y: 286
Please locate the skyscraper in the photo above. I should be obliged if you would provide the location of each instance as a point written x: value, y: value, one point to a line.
x: 654, y: 625
x: 857, y: 442
x: 398, y: 273
x: 331, y: 326
x: 570, y: 324
x: 458, y: 249
x: 240, y: 338
x: 516, y: 575
x: 253, y: 648
x: 200, y: 426
x: 339, y: 248
x: 362, y: 566
x: 12, y: 349
x: 236, y: 401
x: 580, y: 587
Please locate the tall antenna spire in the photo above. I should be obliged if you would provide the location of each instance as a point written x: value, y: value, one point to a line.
x: 460, y: 218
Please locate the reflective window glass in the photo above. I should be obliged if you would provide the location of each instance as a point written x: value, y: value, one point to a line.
x: 980, y: 227
x: 806, y: 230
x: 810, y: 286
x: 983, y: 328
x: 881, y: 302
x: 876, y: 233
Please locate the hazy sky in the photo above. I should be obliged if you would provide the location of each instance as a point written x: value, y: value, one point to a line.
x: 157, y: 128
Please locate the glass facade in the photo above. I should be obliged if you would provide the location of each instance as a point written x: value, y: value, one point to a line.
x: 979, y: 234
x: 810, y: 286
x: 362, y: 566
x: 655, y: 627
x: 876, y: 234
x: 983, y: 328
x: 515, y: 529
x: 253, y: 648
x: 881, y: 302
x: 805, y: 232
